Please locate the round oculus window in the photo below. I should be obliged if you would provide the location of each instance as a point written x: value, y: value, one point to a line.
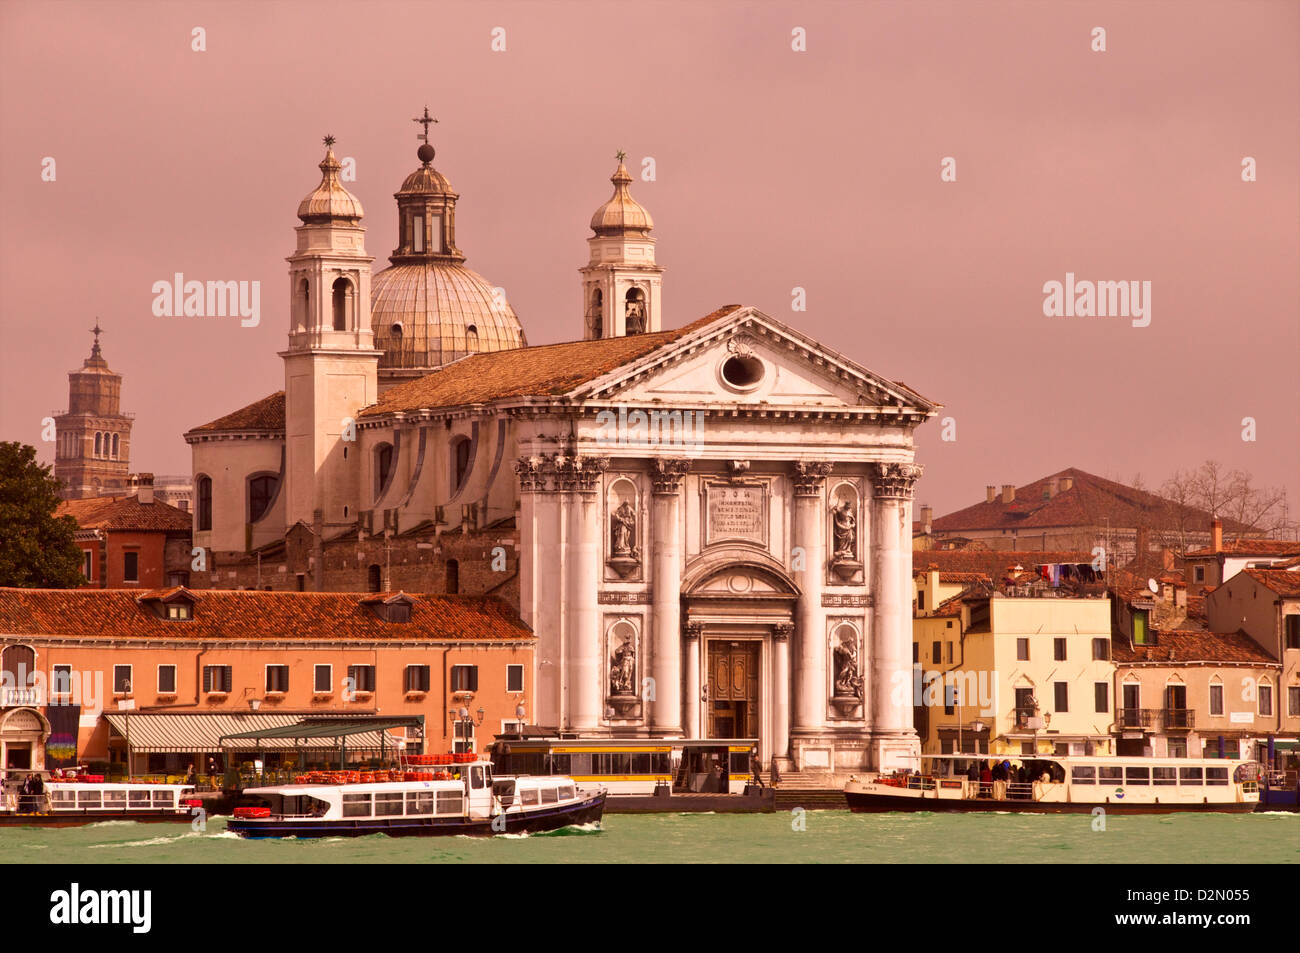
x: 742, y: 372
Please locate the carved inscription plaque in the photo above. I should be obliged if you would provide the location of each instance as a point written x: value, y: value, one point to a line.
x: 737, y: 512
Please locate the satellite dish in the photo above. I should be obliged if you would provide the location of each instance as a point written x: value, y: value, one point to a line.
x: 1153, y: 586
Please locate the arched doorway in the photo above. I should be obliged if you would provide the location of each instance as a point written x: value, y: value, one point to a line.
x: 23, y: 732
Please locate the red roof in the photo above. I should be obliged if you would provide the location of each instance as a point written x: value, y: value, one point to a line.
x: 126, y: 513
x: 1181, y: 645
x: 223, y: 614
x: 266, y: 414
x: 1253, y: 547
x: 992, y: 563
x: 1087, y: 503
x: 1285, y: 582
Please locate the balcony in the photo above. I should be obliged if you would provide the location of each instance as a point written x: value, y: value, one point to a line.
x: 1144, y: 718
x: 18, y: 697
x: 1028, y: 718
x: 1179, y: 719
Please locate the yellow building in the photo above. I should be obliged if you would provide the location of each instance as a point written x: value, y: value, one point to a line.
x: 1022, y: 670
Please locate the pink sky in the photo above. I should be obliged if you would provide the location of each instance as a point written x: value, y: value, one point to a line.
x: 775, y: 169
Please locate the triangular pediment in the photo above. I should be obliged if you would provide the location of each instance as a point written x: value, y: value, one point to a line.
x: 750, y: 358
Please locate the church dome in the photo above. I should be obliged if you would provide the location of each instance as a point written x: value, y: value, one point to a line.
x: 426, y: 314
x: 329, y: 201
x: 622, y: 213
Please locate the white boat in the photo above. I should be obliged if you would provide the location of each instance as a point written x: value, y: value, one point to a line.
x: 473, y: 803
x: 73, y: 803
x: 1061, y: 785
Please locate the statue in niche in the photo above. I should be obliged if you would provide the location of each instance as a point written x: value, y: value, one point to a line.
x: 623, y: 531
x: 848, y: 683
x: 846, y: 531
x: 622, y: 669
x: 634, y: 317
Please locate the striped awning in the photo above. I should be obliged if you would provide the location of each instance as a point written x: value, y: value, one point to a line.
x: 195, y: 733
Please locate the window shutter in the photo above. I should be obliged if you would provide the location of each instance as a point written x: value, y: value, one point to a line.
x: 207, y: 678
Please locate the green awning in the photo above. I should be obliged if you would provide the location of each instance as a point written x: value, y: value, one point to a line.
x: 325, y: 728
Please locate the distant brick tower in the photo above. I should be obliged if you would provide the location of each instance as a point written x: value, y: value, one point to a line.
x: 93, y: 438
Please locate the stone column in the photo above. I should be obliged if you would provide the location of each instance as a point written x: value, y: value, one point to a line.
x: 894, y: 737
x: 693, y: 632
x: 540, y: 573
x: 578, y: 478
x: 810, y: 655
x: 666, y: 579
x: 780, y: 693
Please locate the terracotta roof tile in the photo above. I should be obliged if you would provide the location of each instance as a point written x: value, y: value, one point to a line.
x: 1192, y: 646
x: 126, y: 513
x: 542, y: 371
x: 221, y: 614
x: 1285, y: 582
x: 992, y: 563
x: 265, y: 414
x: 1253, y: 547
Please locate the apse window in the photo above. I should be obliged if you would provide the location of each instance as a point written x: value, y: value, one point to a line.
x: 741, y: 372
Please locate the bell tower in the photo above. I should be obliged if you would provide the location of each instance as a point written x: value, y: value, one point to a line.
x: 621, y: 284
x: 331, y: 365
x: 92, y: 450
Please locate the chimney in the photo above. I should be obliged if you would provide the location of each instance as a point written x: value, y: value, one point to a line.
x: 1216, y: 535
x: 145, y: 483
x: 1067, y: 483
x: 1008, y: 492
x: 991, y: 493
x: 1053, y: 487
x: 927, y: 517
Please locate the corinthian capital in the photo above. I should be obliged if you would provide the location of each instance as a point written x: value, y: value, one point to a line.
x: 809, y: 477
x: 532, y: 473
x: 895, y: 481
x: 667, y: 474
x: 578, y: 472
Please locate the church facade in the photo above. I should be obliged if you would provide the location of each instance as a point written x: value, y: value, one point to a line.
x: 707, y: 527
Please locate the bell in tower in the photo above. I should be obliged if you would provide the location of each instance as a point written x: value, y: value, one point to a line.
x: 621, y: 284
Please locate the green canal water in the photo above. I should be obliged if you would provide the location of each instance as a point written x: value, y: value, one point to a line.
x: 832, y: 837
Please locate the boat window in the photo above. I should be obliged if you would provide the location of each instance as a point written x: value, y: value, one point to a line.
x: 388, y: 803
x: 528, y: 796
x: 63, y: 799
x: 88, y: 798
x: 476, y: 776
x: 1139, y: 776
x: 164, y: 798
x: 1191, y: 776
x: 138, y: 798
x: 449, y: 802
x: 550, y: 796
x: 1110, y: 774
x: 419, y: 802
x: 114, y: 799
x: 1216, y: 776
x: 1083, y: 774
x: 1164, y: 775
x: 356, y: 805
x: 567, y: 792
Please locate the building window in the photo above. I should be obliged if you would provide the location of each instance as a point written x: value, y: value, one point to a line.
x: 375, y: 578
x: 98, y: 442
x: 464, y: 737
x: 302, y: 582
x: 179, y: 611
x: 949, y: 698
x: 342, y: 303
x: 1101, y: 692
x: 460, y: 463
x: 920, y: 601
x: 131, y: 567
x: 1062, y: 690
x: 1140, y: 627
x: 916, y: 652
x: 61, y: 680
x: 1293, y: 700
x: 417, y: 234
x: 1177, y: 748
x: 261, y: 491
x: 1292, y: 623
x: 1216, y: 699
x: 417, y: 678
x: 277, y: 678
x: 1058, y: 649
x: 1265, y: 699
x: 1100, y: 650
x: 217, y: 678
x: 515, y: 678
x: 1022, y: 650
x: 323, y: 679
x: 453, y: 576
x: 383, y: 468
x: 947, y: 653
x: 166, y: 679
x: 115, y: 445
x: 87, y: 564
x: 361, y: 678
x: 464, y: 678
x: 121, y: 679
x: 204, y: 510
x: 935, y: 653
x: 1198, y: 574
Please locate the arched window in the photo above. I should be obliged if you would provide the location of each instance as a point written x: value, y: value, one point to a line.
x: 342, y: 304
x: 261, y: 491
x: 98, y: 442
x: 597, y: 314
x: 634, y: 311
x: 383, y: 468
x: 302, y: 304
x: 204, y: 509
x: 115, y: 445
x: 374, y: 579
x: 459, y: 463
x: 19, y: 665
x: 471, y: 338
x: 453, y: 576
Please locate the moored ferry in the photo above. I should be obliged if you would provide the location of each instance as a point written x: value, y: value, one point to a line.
x: 1064, y: 785
x: 465, y: 800
x: 89, y: 800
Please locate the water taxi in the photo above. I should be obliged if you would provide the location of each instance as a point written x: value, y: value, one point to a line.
x: 89, y: 799
x: 463, y: 798
x: 1063, y: 785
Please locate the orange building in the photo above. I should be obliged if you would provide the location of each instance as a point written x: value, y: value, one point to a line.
x: 165, y: 675
x: 132, y: 542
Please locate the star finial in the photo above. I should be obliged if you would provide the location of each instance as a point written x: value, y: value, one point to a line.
x: 329, y: 142
x: 620, y: 155
x: 424, y: 121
